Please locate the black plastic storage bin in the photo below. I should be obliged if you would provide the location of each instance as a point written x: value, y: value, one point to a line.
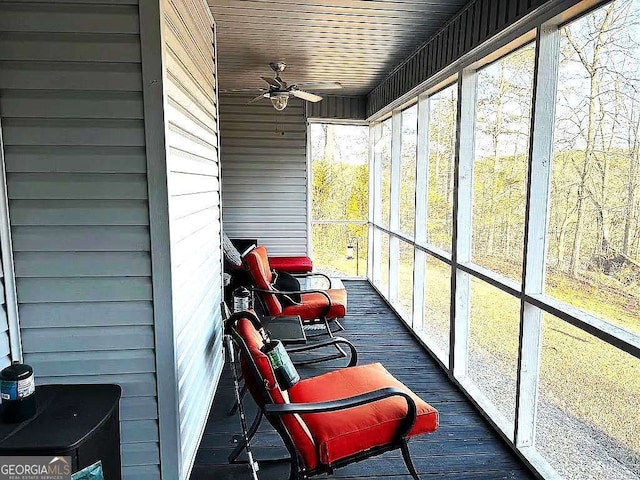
x: 80, y: 421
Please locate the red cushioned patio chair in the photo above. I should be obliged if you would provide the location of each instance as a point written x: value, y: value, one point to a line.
x: 316, y: 306
x: 334, y: 419
x: 311, y: 347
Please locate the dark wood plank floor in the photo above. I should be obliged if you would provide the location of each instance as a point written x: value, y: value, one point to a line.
x: 464, y: 447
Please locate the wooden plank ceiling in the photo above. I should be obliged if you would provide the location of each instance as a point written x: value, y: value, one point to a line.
x: 354, y: 42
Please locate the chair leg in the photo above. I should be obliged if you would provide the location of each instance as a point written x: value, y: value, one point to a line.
x: 294, y: 472
x: 406, y: 455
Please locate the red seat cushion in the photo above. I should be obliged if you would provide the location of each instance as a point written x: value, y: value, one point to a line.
x: 291, y: 264
x: 314, y: 305
x: 344, y: 433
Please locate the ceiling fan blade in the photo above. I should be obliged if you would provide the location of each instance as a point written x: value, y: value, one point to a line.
x: 256, y: 99
x: 320, y: 85
x: 310, y: 97
x: 242, y: 90
x: 274, y: 82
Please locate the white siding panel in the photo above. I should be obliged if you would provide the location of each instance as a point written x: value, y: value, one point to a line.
x: 138, y: 431
x: 92, y: 289
x: 88, y: 339
x: 68, y: 186
x: 82, y: 264
x: 118, y: 77
x: 264, y: 164
x: 74, y: 159
x: 92, y: 363
x: 69, y: 19
x: 69, y: 47
x: 61, y: 104
x: 92, y: 314
x: 97, y: 238
x: 53, y: 131
x: 194, y: 208
x: 72, y: 106
x: 79, y: 212
x: 141, y: 472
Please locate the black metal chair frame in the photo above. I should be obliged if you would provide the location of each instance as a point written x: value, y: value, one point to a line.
x: 334, y: 341
x: 274, y: 412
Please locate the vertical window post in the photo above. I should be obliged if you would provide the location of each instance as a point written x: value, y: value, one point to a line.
x: 422, y: 190
x: 394, y: 210
x: 375, y: 202
x: 462, y: 204
x: 371, y: 207
x: 536, y: 222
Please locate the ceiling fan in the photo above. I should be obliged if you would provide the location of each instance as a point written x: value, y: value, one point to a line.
x: 279, y: 91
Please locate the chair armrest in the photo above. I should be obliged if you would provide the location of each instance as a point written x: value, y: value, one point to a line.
x: 333, y: 341
x: 336, y: 405
x: 291, y: 292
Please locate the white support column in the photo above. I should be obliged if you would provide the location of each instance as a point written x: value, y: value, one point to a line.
x: 396, y: 161
x: 153, y: 81
x: 371, y: 208
x: 6, y: 246
x: 375, y: 134
x: 422, y: 170
x: 537, y: 215
x: 394, y: 210
x: 422, y: 189
x: 462, y: 209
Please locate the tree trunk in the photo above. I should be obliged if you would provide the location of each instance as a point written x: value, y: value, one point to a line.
x: 562, y: 235
x: 497, y: 130
x: 594, y: 89
x: 330, y: 143
x: 634, y: 160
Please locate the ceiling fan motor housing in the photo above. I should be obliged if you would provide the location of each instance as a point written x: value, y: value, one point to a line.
x: 278, y: 67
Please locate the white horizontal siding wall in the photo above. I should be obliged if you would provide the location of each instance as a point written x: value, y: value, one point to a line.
x: 264, y: 161
x: 194, y: 210
x: 72, y: 112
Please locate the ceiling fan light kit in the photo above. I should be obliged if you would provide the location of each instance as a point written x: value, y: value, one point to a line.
x: 279, y: 91
x: 279, y: 101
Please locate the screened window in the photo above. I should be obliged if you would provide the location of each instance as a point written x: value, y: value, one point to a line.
x: 503, y: 118
x: 594, y: 231
x: 404, y: 302
x: 437, y: 306
x: 442, y: 145
x: 552, y: 357
x: 381, y: 265
x: 409, y: 140
x: 385, y: 155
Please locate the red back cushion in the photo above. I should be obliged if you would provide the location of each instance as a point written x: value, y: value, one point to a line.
x: 293, y: 423
x: 258, y: 265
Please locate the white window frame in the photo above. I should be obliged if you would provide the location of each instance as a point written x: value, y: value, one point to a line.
x: 544, y: 26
